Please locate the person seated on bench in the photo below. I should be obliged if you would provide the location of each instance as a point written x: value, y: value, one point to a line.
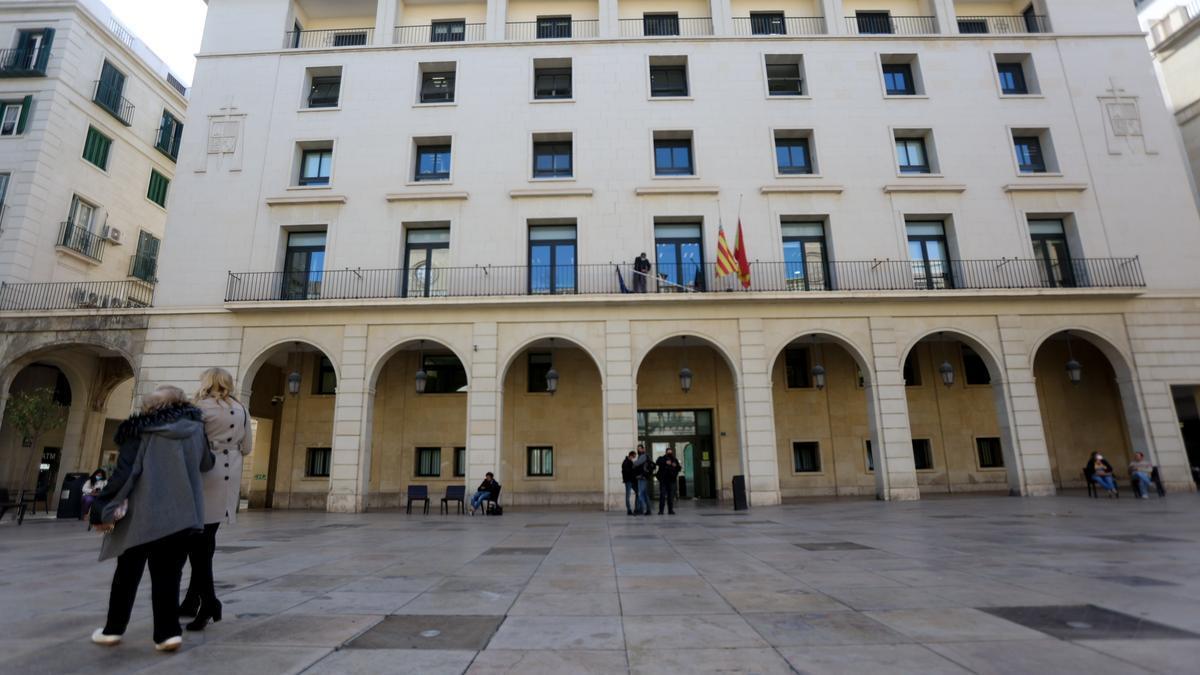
x: 1142, y: 471
x: 1102, y: 473
x: 486, y: 489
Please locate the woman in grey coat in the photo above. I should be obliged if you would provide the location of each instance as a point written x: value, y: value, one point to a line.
x: 149, y: 509
x: 227, y: 423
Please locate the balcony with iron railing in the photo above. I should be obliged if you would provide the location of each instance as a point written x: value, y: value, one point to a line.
x: 24, y: 62
x: 71, y: 295
x: 76, y: 239
x: 1002, y: 25
x: 438, y: 32
x: 328, y: 38
x: 787, y: 25
x: 144, y: 268
x: 687, y: 279
x: 665, y: 26
x: 882, y: 23
x: 109, y: 96
x: 567, y: 29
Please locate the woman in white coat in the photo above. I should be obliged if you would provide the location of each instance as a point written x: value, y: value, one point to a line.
x: 227, y: 425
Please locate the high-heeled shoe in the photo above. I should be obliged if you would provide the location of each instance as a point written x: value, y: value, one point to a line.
x: 205, y: 614
x: 190, y: 605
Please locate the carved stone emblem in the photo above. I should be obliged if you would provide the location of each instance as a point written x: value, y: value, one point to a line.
x: 225, y: 131
x: 1122, y: 118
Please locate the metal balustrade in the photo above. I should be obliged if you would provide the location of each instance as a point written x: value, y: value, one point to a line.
x: 666, y: 26
x: 883, y: 24
x: 791, y: 25
x: 108, y: 96
x: 81, y: 240
x: 144, y: 267
x: 327, y: 39
x: 435, y: 34
x: 685, y: 278
x: 983, y: 25
x: 23, y: 62
x: 68, y: 295
x: 563, y: 30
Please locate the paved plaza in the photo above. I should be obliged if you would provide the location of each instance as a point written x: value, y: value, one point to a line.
x: 948, y: 585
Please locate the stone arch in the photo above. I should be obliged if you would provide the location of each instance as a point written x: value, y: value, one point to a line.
x: 248, y: 370
x: 1118, y: 358
x: 510, y: 358
x: 402, y: 345
x: 857, y: 353
x: 708, y: 340
x: 991, y: 357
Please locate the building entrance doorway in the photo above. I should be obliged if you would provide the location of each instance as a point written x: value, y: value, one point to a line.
x: 690, y: 433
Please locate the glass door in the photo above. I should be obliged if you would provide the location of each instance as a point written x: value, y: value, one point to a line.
x: 804, y: 257
x: 679, y: 250
x: 930, y: 256
x: 1051, y: 253
x: 426, y: 257
x: 552, y: 259
x: 304, y: 266
x: 30, y: 48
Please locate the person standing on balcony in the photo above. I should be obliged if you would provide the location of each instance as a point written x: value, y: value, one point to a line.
x: 227, y: 423
x: 641, y: 270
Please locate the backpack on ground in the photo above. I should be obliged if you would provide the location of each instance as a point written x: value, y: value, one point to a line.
x: 494, y: 509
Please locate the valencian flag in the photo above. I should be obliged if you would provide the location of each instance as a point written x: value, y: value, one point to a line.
x: 739, y: 256
x: 726, y: 264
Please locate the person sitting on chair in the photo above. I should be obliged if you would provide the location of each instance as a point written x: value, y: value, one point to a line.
x: 91, y: 488
x: 1102, y: 473
x: 1142, y: 471
x: 487, y: 488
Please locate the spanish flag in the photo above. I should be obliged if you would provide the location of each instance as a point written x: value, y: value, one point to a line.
x: 726, y: 264
x: 740, y: 257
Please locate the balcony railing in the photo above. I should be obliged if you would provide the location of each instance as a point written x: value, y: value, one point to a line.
x: 108, y: 96
x: 891, y: 25
x: 75, y: 295
x: 81, y: 240
x: 429, y: 34
x: 615, y: 279
x: 666, y: 26
x: 534, y: 30
x: 326, y: 39
x: 982, y: 25
x: 144, y: 267
x: 792, y: 25
x: 23, y: 62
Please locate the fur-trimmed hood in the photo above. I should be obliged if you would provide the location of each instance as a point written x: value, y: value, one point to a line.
x: 159, y: 420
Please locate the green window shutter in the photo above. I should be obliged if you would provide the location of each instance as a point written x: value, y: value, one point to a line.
x: 26, y: 105
x: 44, y: 55
x: 157, y: 192
x: 96, y: 148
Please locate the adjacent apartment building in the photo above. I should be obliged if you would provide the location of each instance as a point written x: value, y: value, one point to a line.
x: 90, y: 129
x: 1174, y: 34
x: 413, y: 231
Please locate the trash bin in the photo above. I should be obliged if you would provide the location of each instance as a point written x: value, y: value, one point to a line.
x: 70, y: 500
x: 739, y: 494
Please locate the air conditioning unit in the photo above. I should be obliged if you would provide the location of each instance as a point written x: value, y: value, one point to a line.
x: 112, y: 234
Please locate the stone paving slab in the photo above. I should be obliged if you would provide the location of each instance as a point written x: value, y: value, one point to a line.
x: 393, y: 661
x: 429, y: 632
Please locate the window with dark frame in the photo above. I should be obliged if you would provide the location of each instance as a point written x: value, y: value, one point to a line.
x: 552, y: 83
x: 315, y: 166
x: 911, y: 155
x: 552, y: 159
x: 673, y: 157
x: 972, y: 26
x: 767, y: 23
x: 873, y: 23
x: 792, y: 156
x: 316, y: 462
x: 806, y: 457
x: 784, y: 79
x: 660, y: 24
x: 922, y: 454
x: 429, y: 463
x: 1029, y: 154
x: 325, y: 382
x: 991, y: 456
x: 870, y: 456
x: 437, y: 87
x: 444, y: 374
x: 96, y: 147
x: 974, y: 369
x: 324, y: 91
x: 668, y: 81
x: 144, y: 265
x: 805, y: 258
x: 796, y: 364
x: 540, y: 461
x: 898, y: 79
x: 912, y: 369
x: 10, y: 117
x: 170, y: 135
x: 433, y: 163
x: 447, y: 31
x: 157, y: 190
x: 460, y: 462
x: 350, y: 39
x: 539, y: 365
x: 553, y: 27
x: 553, y: 253
x: 1012, y: 79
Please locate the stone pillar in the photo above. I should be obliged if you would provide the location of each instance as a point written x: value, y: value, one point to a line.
x: 944, y: 11
x: 835, y: 17
x: 385, y: 21
x: 722, y: 17
x: 609, y: 26
x: 497, y: 18
x: 620, y: 409
x: 756, y: 423
x: 1029, y: 461
x: 895, y: 470
x: 484, y: 401
x: 350, y: 470
x: 1160, y: 436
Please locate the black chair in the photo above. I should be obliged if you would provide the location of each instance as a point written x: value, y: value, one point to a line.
x: 493, y: 498
x: 1092, y: 487
x: 40, y: 494
x: 1155, y: 478
x: 418, y: 493
x: 455, y: 493
x: 6, y: 503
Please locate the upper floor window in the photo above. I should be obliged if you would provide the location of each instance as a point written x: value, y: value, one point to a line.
x: 429, y: 462
x: 157, y: 190
x: 553, y: 27
x: 668, y: 76
x: 303, y: 266
x: 170, y: 135
x: 144, y: 265
x: 922, y: 454
x: 437, y: 82
x: 552, y: 156
x: 785, y: 75
x: 31, y: 56
x: 991, y: 456
x: 110, y: 92
x: 873, y: 22
x: 448, y: 31
x: 1012, y: 79
x: 804, y: 254
x: 796, y: 368
x: 317, y: 462
x: 912, y: 155
x: 551, y: 79
x: 1029, y: 154
x: 316, y: 165
x: 792, y: 153
x: 444, y: 374
x: 324, y: 87
x: 14, y: 115
x: 540, y: 461
x: 767, y: 23
x: 898, y: 79
x: 325, y: 382
x: 433, y: 160
x: 673, y: 155
x: 96, y: 147
x: 806, y: 457
x: 539, y: 365
x: 553, y: 254
x: 660, y: 24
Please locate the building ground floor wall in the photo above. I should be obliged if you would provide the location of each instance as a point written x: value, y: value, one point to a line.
x: 885, y: 396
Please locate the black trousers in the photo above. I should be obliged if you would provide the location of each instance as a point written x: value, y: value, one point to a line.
x: 201, y: 548
x: 666, y: 494
x: 165, y: 557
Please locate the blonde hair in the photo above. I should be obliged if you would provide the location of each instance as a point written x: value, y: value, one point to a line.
x: 216, y: 383
x: 164, y: 396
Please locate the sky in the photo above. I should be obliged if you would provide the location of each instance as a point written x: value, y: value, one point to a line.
x: 171, y: 28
